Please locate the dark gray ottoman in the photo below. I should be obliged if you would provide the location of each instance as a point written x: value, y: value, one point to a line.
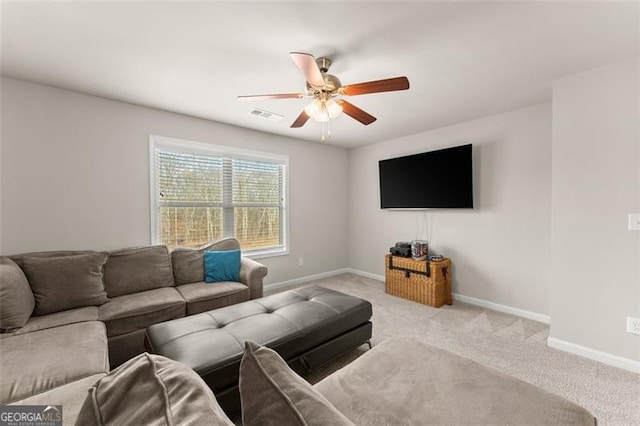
x: 308, y: 327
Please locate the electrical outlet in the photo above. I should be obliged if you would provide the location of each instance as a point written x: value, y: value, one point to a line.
x: 634, y: 222
x: 633, y: 325
x: 301, y: 261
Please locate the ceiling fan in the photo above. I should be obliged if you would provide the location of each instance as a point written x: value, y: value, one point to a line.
x: 325, y: 88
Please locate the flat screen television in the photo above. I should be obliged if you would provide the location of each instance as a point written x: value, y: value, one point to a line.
x: 435, y: 179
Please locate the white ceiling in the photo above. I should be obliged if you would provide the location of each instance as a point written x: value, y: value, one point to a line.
x: 464, y: 60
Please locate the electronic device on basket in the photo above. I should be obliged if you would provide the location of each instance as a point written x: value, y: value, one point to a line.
x: 401, y: 249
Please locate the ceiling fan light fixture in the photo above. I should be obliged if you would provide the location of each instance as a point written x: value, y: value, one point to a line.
x: 323, y: 111
x: 314, y: 108
x: 323, y: 117
x: 333, y: 108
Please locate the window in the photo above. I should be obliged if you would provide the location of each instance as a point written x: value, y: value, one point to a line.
x: 202, y: 192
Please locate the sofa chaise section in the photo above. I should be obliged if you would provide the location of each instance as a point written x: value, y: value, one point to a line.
x: 53, y: 365
x: 36, y: 362
x: 403, y: 381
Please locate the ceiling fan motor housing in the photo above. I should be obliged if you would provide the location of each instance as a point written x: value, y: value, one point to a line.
x: 331, y: 85
x: 331, y: 82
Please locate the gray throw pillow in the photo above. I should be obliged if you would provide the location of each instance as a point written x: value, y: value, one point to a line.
x: 16, y: 298
x: 151, y: 390
x: 273, y: 394
x: 66, y: 282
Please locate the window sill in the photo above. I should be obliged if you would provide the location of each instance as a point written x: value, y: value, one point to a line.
x: 261, y: 254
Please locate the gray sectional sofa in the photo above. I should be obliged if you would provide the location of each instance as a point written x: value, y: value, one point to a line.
x: 68, y: 317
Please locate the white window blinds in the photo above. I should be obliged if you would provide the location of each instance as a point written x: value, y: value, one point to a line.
x: 204, y: 193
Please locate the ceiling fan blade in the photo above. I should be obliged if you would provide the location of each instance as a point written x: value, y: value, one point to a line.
x: 301, y: 120
x: 354, y: 112
x: 274, y: 96
x: 386, y: 85
x: 309, y: 67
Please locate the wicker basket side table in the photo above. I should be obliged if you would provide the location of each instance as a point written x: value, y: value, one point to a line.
x: 422, y: 281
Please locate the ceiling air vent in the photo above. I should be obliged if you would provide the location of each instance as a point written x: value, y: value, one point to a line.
x: 266, y: 114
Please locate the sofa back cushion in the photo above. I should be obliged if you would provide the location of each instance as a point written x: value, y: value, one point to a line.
x: 133, y: 270
x: 65, y: 282
x: 16, y: 298
x: 188, y: 263
x: 18, y: 258
x: 272, y: 393
x: 152, y: 390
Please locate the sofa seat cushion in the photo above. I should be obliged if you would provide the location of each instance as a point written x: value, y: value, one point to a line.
x: 403, y: 381
x: 202, y: 297
x: 159, y: 391
x: 124, y: 314
x: 137, y: 269
x: 57, y: 319
x: 33, y: 363
x: 70, y: 396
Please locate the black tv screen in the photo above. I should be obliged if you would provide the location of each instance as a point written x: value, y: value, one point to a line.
x: 435, y: 179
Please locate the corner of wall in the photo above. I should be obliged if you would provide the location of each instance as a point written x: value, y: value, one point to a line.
x: 596, y: 184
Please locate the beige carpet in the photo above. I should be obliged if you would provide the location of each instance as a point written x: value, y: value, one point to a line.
x: 507, y: 343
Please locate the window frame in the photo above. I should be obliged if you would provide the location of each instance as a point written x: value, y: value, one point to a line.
x: 156, y: 142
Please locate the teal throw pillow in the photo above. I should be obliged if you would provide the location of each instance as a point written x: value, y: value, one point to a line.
x: 221, y: 265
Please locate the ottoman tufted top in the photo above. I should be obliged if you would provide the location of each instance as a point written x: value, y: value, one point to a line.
x: 290, y: 322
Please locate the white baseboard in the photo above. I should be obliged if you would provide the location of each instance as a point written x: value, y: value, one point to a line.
x: 366, y: 274
x: 503, y: 308
x: 603, y: 357
x: 473, y: 301
x: 308, y: 278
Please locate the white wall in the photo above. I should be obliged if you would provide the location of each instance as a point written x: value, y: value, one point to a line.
x: 75, y: 175
x: 500, y: 249
x: 596, y: 183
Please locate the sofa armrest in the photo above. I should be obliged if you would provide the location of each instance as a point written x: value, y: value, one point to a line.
x: 251, y: 274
